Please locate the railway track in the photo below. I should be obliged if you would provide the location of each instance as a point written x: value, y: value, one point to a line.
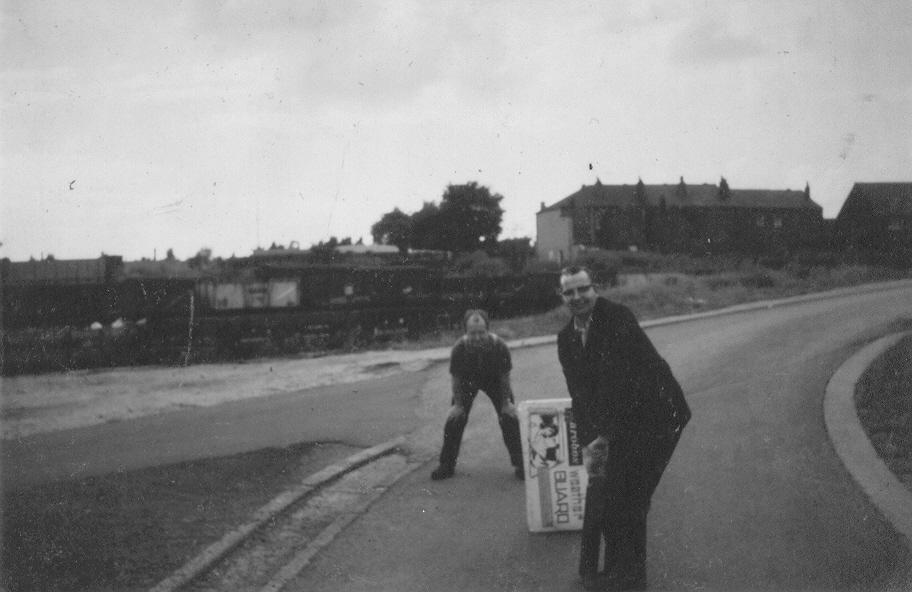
x: 283, y: 537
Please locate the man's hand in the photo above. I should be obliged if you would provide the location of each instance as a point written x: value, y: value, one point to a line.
x: 595, y: 456
x: 599, y: 448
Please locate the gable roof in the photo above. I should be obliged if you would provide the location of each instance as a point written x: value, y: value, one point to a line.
x: 878, y: 199
x: 704, y: 195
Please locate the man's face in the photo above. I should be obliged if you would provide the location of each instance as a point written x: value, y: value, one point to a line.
x: 578, y: 293
x: 476, y: 330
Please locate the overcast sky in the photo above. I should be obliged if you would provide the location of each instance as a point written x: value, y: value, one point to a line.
x: 131, y: 127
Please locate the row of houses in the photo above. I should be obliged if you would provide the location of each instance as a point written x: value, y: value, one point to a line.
x: 706, y: 218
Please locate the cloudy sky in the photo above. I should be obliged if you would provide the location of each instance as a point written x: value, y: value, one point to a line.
x: 131, y: 127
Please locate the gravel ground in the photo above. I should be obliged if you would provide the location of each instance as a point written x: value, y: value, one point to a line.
x: 51, y: 402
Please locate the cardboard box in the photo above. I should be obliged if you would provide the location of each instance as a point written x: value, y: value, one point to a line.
x: 555, y: 476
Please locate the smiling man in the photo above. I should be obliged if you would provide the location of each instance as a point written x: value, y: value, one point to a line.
x: 629, y: 411
x: 480, y: 360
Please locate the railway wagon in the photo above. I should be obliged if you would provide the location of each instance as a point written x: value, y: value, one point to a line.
x: 53, y: 323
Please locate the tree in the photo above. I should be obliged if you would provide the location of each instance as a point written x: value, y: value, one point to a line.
x: 724, y: 191
x: 394, y: 228
x: 331, y: 244
x: 471, y: 217
x: 427, y: 228
x: 638, y: 216
x: 640, y: 194
x: 323, y: 252
x: 201, y: 259
x: 516, y: 252
x: 681, y: 191
x: 468, y: 218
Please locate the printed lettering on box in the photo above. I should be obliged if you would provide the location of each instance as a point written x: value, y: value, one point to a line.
x: 556, y: 480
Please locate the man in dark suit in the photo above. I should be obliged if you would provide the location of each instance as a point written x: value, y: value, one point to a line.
x: 629, y: 411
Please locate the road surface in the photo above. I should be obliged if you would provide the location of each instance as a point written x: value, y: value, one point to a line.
x: 358, y: 414
x: 755, y: 497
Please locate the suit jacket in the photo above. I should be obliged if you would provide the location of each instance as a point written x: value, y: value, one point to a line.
x: 620, y: 386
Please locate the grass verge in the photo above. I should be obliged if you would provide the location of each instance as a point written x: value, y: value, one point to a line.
x: 665, y: 293
x: 883, y: 398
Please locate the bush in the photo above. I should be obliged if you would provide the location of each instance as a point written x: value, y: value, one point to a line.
x: 534, y: 266
x: 480, y: 264
x: 604, y: 266
x: 758, y: 280
x: 598, y: 260
x: 774, y: 261
x: 816, y: 259
x: 720, y: 282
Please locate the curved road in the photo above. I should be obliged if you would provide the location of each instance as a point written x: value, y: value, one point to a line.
x: 755, y: 499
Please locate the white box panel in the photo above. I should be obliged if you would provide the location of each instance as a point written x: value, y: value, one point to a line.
x: 555, y: 476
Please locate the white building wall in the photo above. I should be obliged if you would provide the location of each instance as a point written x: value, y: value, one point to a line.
x: 554, y: 236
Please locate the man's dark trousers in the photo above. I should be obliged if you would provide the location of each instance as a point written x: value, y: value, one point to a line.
x: 455, y: 426
x: 617, y: 503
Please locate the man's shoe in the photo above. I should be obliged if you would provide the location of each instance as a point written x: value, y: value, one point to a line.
x: 520, y: 473
x: 442, y: 472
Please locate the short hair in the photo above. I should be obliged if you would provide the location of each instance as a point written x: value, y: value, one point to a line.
x: 575, y: 269
x: 472, y: 312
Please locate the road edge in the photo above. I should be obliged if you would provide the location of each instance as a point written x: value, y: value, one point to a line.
x: 735, y: 309
x: 854, y: 447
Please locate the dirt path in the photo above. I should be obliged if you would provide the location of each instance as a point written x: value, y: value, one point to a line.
x: 51, y: 402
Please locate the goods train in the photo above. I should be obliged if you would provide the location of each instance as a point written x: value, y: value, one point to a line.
x: 93, y: 309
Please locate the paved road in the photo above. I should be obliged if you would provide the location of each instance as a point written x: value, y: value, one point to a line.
x: 358, y: 414
x: 755, y: 498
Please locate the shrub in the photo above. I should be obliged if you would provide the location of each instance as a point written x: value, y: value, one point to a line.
x: 773, y: 261
x: 719, y: 282
x: 816, y: 258
x: 480, y: 264
x: 534, y: 266
x: 598, y: 260
x: 758, y: 280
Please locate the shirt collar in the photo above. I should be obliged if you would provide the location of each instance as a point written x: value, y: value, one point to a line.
x: 582, y: 326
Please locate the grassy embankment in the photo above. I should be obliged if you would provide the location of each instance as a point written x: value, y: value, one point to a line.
x: 656, y: 292
x: 130, y: 530
x: 883, y: 397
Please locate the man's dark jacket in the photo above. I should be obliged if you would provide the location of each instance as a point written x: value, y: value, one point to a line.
x: 620, y: 386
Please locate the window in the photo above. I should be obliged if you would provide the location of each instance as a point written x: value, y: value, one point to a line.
x: 761, y: 221
x: 777, y: 222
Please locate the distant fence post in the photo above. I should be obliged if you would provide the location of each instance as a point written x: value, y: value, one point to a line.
x: 189, y: 330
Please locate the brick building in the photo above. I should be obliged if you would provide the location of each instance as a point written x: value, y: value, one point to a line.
x: 683, y: 218
x: 877, y: 217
